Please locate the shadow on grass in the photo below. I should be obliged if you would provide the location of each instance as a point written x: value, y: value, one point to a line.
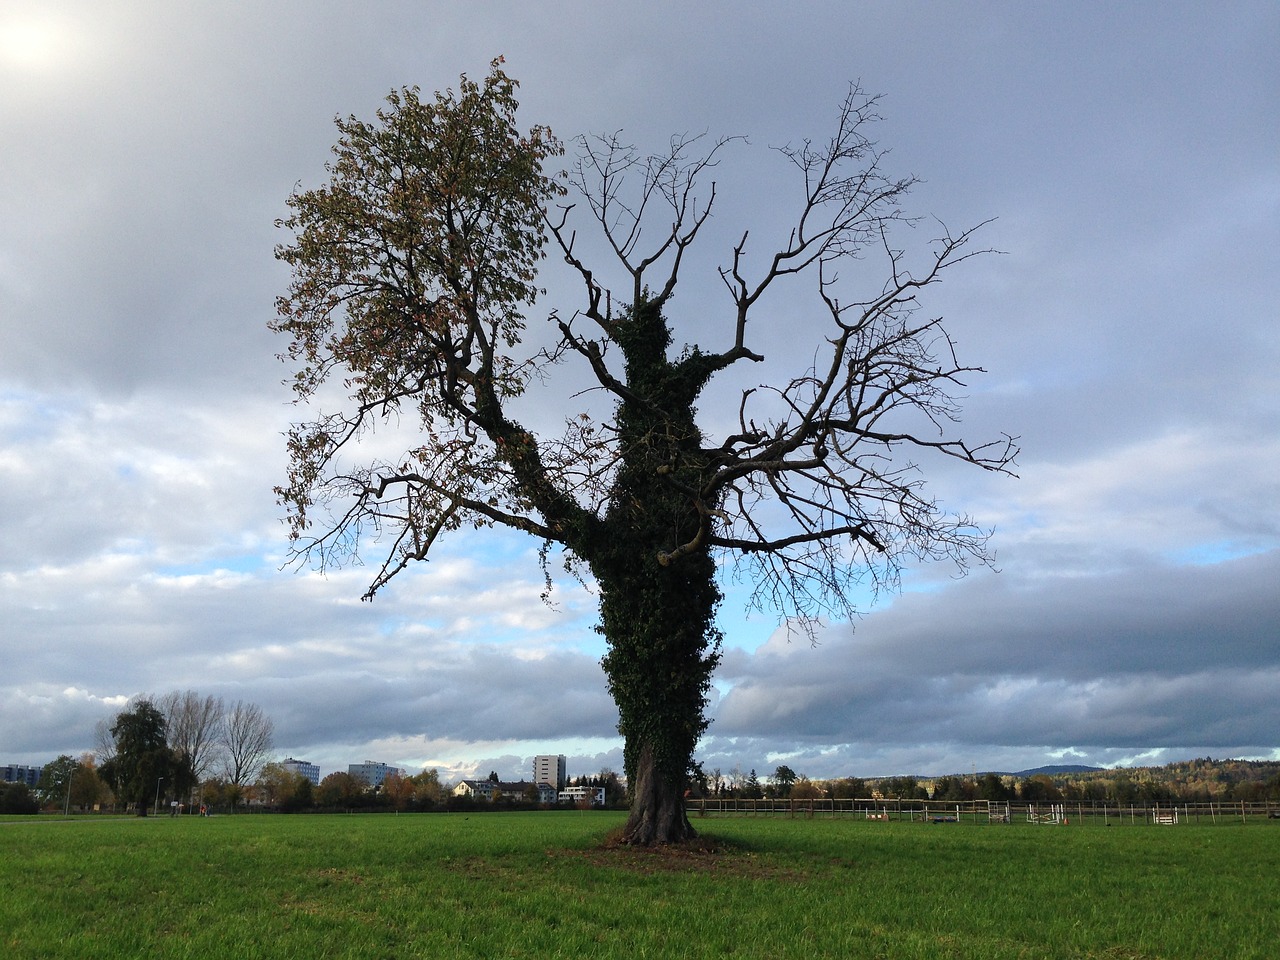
x: 705, y: 853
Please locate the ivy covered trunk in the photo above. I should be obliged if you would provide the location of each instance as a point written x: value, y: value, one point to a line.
x: 657, y: 610
x: 662, y: 650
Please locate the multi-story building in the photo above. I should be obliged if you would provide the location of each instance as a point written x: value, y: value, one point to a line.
x: 551, y: 770
x: 594, y: 795
x: 21, y: 773
x: 302, y: 768
x: 372, y: 772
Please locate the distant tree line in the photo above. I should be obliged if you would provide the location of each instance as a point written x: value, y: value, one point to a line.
x: 286, y: 791
x: 784, y: 782
x: 1194, y: 781
x: 163, y: 749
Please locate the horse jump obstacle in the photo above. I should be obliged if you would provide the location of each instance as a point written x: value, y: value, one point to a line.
x: 1056, y: 814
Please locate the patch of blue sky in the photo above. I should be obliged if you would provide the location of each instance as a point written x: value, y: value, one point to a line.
x: 741, y: 627
x: 745, y: 631
x: 748, y: 629
x: 1221, y: 551
x: 228, y: 563
x: 26, y: 415
x: 587, y: 640
x: 495, y: 546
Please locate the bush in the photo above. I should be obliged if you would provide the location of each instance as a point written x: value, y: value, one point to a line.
x: 17, y: 798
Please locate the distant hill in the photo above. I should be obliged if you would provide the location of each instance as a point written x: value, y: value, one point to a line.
x: 1197, y: 781
x: 1053, y: 770
x: 1058, y: 770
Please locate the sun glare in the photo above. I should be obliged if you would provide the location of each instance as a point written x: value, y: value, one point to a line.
x: 32, y: 44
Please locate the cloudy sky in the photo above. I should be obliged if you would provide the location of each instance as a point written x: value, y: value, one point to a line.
x: 1130, y: 154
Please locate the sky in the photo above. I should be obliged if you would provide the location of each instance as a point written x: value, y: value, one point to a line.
x: 1129, y: 155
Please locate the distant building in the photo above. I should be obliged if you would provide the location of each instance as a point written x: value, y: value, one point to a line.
x: 477, y: 789
x: 372, y: 772
x: 547, y: 793
x: 578, y: 794
x: 21, y: 773
x: 550, y: 769
x: 302, y: 768
x: 491, y: 790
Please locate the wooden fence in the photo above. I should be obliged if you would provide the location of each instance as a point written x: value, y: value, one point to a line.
x: 990, y: 811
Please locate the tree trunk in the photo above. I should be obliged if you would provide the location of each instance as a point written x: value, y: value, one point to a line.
x: 663, y: 647
x: 657, y: 807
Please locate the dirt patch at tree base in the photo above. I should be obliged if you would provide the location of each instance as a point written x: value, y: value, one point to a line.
x: 701, y: 854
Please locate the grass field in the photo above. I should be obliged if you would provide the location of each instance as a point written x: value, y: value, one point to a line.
x: 540, y: 885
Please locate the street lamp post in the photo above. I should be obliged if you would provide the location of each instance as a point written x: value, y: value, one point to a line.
x: 156, y: 805
x: 67, y: 811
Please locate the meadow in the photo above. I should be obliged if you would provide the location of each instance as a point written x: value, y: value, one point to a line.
x: 543, y: 885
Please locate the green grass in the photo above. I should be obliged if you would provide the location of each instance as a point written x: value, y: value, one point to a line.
x: 539, y: 885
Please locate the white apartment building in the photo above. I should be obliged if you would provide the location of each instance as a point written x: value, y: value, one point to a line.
x: 302, y: 768
x: 579, y: 794
x: 490, y: 790
x: 372, y: 772
x: 21, y: 773
x: 550, y: 769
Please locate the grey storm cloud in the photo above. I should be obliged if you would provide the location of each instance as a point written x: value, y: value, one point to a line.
x: 1186, y: 655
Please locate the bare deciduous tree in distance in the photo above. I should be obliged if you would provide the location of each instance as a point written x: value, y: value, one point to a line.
x: 413, y: 269
x: 246, y: 739
x: 195, y: 729
x: 104, y: 741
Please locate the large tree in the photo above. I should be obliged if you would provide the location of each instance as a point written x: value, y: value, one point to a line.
x: 56, y: 779
x: 142, y: 760
x: 414, y: 268
x: 194, y: 725
x: 68, y: 782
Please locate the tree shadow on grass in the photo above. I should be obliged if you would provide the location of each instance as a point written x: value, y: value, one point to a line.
x: 705, y: 853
